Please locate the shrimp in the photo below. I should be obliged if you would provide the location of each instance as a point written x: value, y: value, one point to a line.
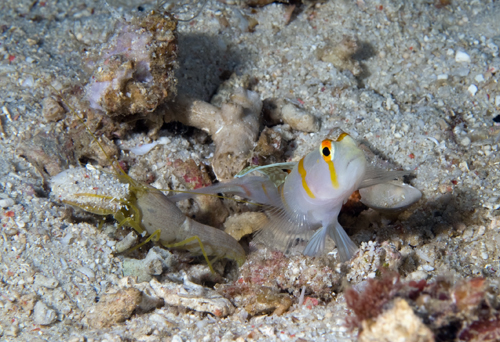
x: 144, y: 208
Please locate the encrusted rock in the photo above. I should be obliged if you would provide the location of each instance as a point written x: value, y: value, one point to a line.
x: 136, y: 71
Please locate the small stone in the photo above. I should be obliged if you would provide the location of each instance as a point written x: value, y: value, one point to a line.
x: 484, y: 256
x: 442, y: 77
x: 462, y: 57
x: 239, y: 225
x: 299, y: 119
x: 127, y: 242
x: 52, y: 110
x: 472, y: 89
x: 497, y: 100
x: 114, y: 308
x: 43, y: 281
x: 6, y: 202
x: 465, y: 141
x: 43, y: 315
x: 479, y: 78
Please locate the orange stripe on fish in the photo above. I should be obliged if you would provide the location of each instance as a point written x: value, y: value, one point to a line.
x: 342, y: 136
x: 327, y: 151
x: 303, y: 174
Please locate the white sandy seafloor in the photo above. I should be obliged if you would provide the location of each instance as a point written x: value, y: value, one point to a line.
x: 425, y: 102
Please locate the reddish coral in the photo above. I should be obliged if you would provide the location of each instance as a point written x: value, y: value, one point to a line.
x: 482, y: 331
x: 468, y: 295
x: 371, y: 302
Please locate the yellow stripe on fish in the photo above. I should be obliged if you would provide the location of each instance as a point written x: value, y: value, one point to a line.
x: 327, y: 151
x: 303, y: 174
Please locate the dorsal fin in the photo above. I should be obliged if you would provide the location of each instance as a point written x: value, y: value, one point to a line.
x: 275, y: 172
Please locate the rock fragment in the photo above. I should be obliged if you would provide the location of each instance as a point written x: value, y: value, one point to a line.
x: 462, y: 57
x: 114, y: 308
x: 278, y: 111
x: 43, y: 315
x: 239, y: 225
x: 193, y: 296
x: 397, y: 324
x: 155, y: 262
x: 52, y: 110
x: 49, y: 283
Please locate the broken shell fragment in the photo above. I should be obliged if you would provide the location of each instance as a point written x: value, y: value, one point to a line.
x: 389, y: 196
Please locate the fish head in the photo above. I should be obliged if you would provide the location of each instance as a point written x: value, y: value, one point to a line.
x: 335, y: 169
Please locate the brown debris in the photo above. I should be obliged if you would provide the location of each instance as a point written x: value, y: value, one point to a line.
x: 340, y: 55
x: 114, y: 308
x: 52, y: 110
x: 192, y: 176
x: 240, y: 225
x: 48, y: 152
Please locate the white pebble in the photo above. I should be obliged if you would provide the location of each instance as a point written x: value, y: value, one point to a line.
x: 49, y: 283
x: 479, y: 78
x: 462, y: 57
x: 472, y: 89
x: 427, y: 268
x: 484, y: 255
x: 6, y: 202
x: 465, y: 141
x: 88, y: 272
x: 497, y: 101
x: 442, y: 77
x: 42, y: 314
x: 176, y: 338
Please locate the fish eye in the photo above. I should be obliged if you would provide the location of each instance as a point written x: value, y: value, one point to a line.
x: 327, y: 149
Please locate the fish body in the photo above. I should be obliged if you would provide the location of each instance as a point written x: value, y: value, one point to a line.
x: 304, y: 202
x: 316, y: 188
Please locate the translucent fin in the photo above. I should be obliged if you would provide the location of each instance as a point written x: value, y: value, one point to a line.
x: 346, y: 248
x: 255, y: 188
x: 282, y: 230
x: 317, y: 243
x: 273, y: 171
x: 375, y: 175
